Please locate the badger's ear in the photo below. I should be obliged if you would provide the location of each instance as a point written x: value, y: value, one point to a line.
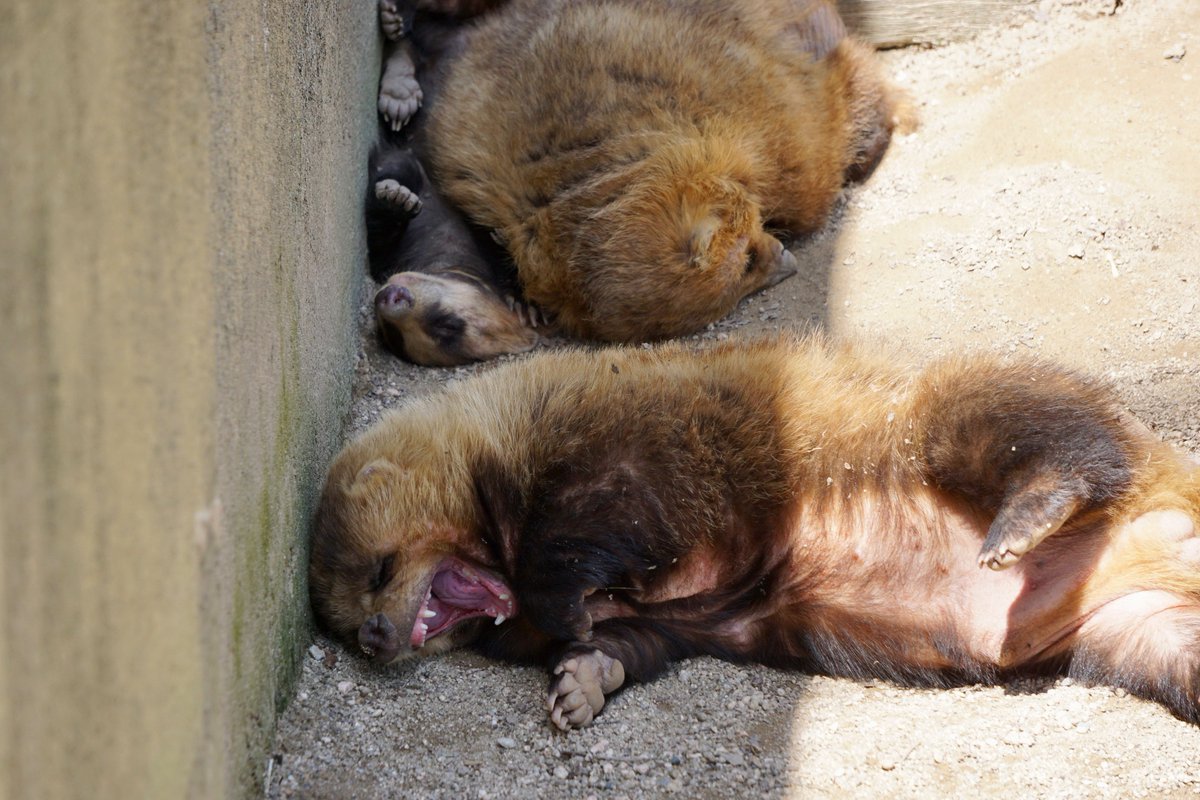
x: 817, y: 26
x: 703, y: 231
x: 375, y: 473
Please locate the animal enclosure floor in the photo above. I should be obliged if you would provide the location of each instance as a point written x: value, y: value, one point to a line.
x: 1049, y: 203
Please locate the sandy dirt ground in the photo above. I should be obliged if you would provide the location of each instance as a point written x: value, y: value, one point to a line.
x: 1049, y: 203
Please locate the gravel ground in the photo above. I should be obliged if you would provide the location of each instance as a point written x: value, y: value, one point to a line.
x: 1049, y: 202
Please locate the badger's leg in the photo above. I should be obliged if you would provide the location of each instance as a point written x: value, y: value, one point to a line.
x: 596, y: 523
x: 1035, y: 445
x: 583, y: 674
x: 397, y: 181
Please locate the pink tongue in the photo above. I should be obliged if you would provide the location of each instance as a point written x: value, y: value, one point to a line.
x: 455, y: 590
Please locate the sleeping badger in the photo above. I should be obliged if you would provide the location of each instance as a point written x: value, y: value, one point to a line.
x: 789, y: 502
x: 639, y: 161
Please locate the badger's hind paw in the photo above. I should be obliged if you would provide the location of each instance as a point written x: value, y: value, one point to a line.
x: 396, y: 194
x: 399, y: 98
x: 1171, y: 528
x: 1026, y: 518
x: 578, y: 688
x: 391, y: 20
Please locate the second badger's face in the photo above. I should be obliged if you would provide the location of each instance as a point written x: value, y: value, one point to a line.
x: 445, y: 320
x: 394, y: 566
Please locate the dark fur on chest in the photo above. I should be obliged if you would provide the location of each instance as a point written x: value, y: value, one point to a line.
x: 605, y: 522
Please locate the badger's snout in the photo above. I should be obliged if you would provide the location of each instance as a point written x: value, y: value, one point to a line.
x: 379, y: 639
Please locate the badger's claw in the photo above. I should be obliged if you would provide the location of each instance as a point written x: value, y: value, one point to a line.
x: 530, y: 315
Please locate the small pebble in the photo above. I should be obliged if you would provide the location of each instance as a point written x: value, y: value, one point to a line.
x: 1175, y: 52
x: 345, y: 686
x: 316, y: 652
x: 561, y: 773
x: 506, y: 742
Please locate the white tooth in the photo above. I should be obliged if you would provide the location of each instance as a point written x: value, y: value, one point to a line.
x: 428, y: 613
x: 500, y: 618
x: 503, y: 595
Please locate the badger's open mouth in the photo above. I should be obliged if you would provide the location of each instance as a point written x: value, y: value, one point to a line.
x: 458, y: 592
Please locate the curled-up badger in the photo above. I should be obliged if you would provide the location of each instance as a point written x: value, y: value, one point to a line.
x: 789, y: 502
x: 641, y: 160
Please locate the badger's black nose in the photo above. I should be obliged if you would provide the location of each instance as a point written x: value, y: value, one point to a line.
x: 379, y: 639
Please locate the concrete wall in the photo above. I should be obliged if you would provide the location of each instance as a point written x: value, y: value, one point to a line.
x: 181, y: 252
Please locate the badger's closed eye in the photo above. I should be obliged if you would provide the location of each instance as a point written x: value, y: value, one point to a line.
x: 383, y: 572
x: 751, y: 260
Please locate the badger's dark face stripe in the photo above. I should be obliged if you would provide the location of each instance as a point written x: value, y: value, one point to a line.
x: 444, y: 327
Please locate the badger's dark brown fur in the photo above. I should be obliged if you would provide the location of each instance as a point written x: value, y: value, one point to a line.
x: 640, y: 158
x: 788, y: 502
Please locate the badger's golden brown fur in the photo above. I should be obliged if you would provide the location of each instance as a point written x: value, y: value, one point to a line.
x: 636, y: 156
x: 787, y: 502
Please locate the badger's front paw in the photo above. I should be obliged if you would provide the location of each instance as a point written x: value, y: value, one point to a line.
x: 578, y: 688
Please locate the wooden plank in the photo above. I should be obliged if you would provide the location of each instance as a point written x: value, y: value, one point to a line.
x: 895, y: 23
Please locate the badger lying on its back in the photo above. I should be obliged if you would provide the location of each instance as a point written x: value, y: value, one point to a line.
x: 446, y: 296
x: 449, y: 295
x: 787, y: 502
